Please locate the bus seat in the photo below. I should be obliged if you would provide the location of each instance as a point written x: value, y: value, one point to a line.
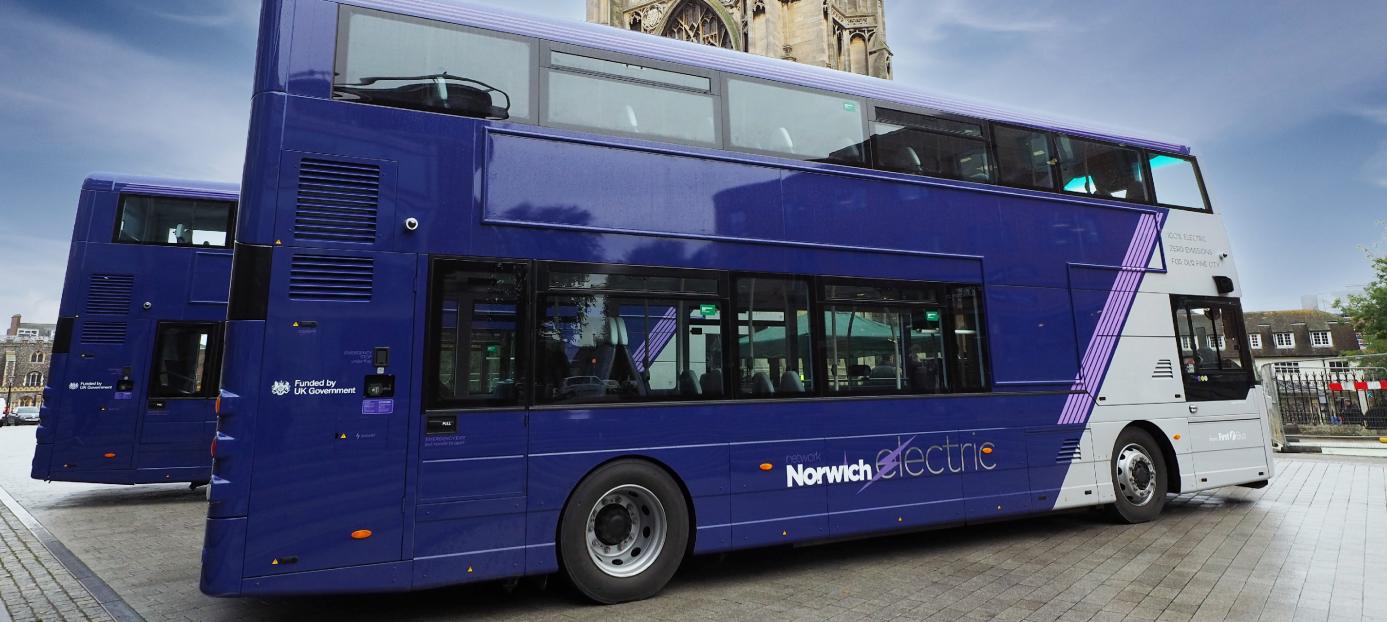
x: 781, y: 141
x: 884, y: 375
x: 761, y: 384
x: 711, y: 383
x: 790, y: 382
x: 912, y: 160
x: 689, y: 383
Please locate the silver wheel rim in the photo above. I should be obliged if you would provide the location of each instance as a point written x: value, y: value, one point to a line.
x: 626, y: 552
x: 1136, y: 474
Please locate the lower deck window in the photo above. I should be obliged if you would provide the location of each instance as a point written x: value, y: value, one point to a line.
x: 184, y: 360
x: 476, y: 311
x: 609, y: 348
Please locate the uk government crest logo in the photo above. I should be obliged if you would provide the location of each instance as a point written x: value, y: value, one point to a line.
x: 280, y: 387
x: 72, y: 386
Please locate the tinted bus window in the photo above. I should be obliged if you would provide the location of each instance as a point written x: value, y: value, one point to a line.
x: 477, y: 318
x: 1100, y: 169
x: 970, y: 370
x: 1176, y: 182
x: 406, y: 62
x: 169, y: 220
x: 812, y: 126
x: 619, y: 105
x: 1023, y: 158
x: 181, y: 361
x: 599, y: 347
x: 773, y: 338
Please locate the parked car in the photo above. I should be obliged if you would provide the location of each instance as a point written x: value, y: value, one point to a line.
x: 25, y: 415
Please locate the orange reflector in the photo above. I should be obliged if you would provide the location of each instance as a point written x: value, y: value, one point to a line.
x: 217, y: 405
x: 987, y: 450
x: 109, y: 454
x: 766, y: 466
x: 1177, y: 437
x: 361, y: 534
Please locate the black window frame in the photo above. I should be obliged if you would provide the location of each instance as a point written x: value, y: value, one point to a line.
x: 439, y: 268
x: 984, y: 137
x: 232, y: 204
x: 211, y: 369
x: 1227, y: 385
x: 1053, y: 162
x: 542, y: 290
x: 1148, y: 187
x: 1198, y: 176
x: 734, y: 386
x: 822, y: 302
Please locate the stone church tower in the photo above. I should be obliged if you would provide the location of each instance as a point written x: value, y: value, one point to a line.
x: 849, y: 35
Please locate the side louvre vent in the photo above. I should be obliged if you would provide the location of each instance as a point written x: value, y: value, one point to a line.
x: 1164, y: 369
x: 337, y: 201
x: 330, y: 277
x: 110, y: 293
x: 1069, y: 451
x: 103, y: 332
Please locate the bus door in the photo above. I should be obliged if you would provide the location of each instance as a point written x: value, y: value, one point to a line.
x: 330, y: 455
x: 179, y: 422
x: 99, y: 413
x: 472, y: 467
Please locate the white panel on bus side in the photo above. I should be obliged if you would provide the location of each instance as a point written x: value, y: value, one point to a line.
x: 1228, y: 452
x: 1196, y: 249
x: 1144, y: 370
x: 1080, y: 487
x: 1150, y: 317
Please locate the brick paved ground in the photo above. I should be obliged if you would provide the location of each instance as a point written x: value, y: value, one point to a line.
x: 33, y: 585
x: 1313, y: 546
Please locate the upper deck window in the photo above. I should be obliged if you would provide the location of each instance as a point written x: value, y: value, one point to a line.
x: 1100, y: 169
x: 170, y: 220
x: 803, y: 124
x: 1177, y: 183
x: 926, y: 145
x: 1024, y: 157
x: 406, y: 62
x: 630, y: 99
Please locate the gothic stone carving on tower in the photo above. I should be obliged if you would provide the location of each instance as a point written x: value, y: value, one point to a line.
x: 849, y: 35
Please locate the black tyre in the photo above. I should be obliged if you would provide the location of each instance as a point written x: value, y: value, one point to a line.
x: 624, y: 532
x: 1139, y: 477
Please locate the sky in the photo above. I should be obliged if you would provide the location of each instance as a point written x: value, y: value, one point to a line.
x: 1284, y: 102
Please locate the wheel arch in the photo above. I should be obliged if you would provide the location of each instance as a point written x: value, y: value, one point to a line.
x: 1172, y: 460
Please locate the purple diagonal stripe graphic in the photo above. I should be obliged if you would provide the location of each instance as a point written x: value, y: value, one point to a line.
x: 1098, y: 356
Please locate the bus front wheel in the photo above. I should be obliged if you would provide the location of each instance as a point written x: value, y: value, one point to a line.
x: 624, y: 532
x: 1138, y: 477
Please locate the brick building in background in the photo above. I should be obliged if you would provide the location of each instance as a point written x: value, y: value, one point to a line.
x: 1290, y: 340
x: 24, y: 353
x: 848, y: 35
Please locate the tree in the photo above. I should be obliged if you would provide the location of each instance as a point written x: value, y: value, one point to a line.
x: 1368, y: 311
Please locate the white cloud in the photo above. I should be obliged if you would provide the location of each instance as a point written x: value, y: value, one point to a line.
x: 1195, y: 72
x: 75, y: 100
x: 212, y: 15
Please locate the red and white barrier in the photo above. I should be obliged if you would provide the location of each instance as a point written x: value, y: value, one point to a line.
x: 1357, y: 385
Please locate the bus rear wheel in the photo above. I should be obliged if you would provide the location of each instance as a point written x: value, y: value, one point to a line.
x: 1138, y: 477
x: 624, y: 532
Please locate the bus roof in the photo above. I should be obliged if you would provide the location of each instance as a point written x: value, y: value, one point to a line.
x: 117, y: 182
x: 708, y: 57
